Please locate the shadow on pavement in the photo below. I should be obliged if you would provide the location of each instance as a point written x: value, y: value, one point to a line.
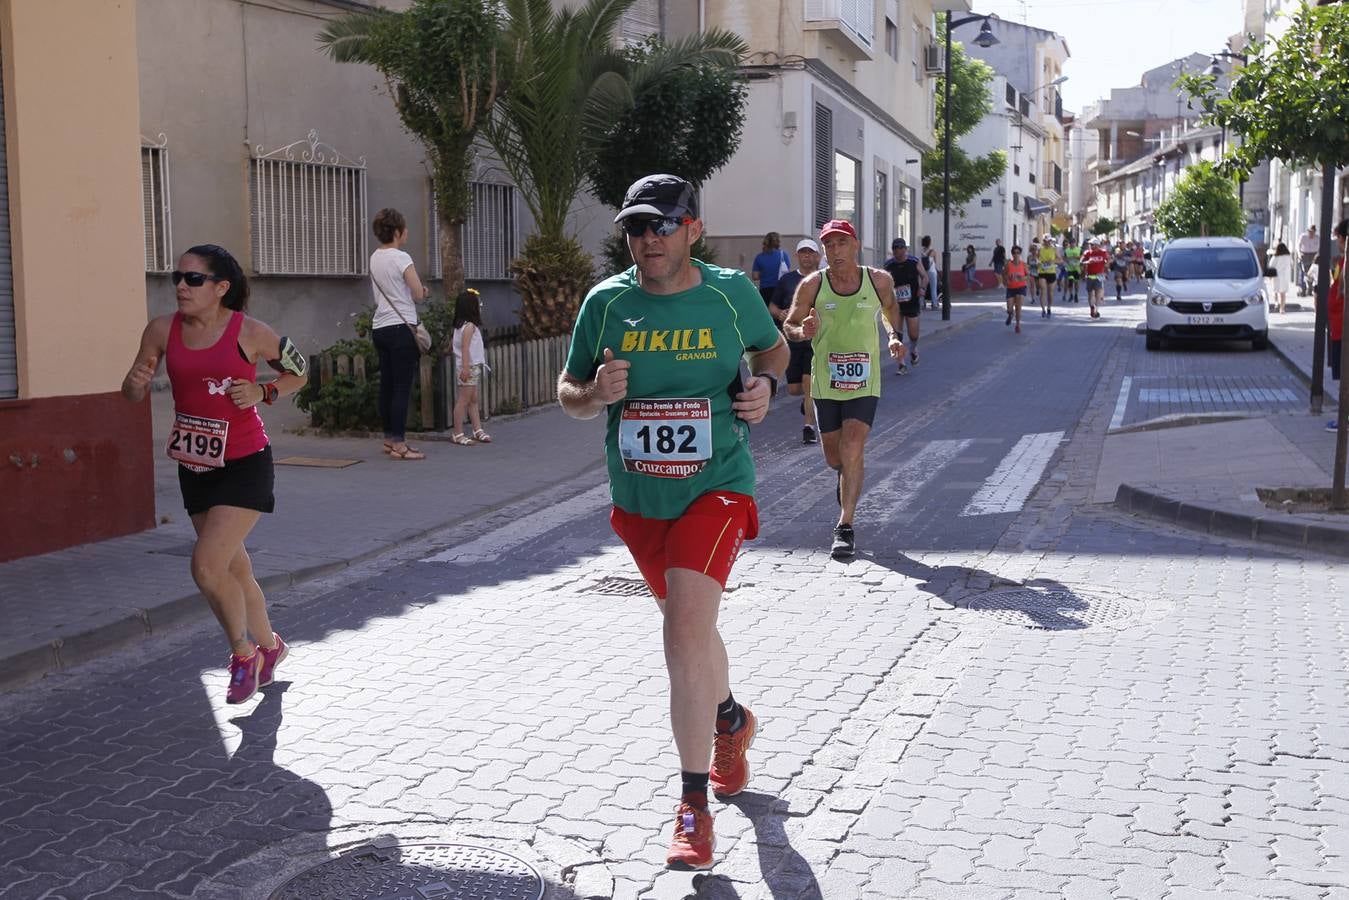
x: 785, y: 872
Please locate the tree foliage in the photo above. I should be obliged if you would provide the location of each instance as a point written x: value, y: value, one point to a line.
x: 1290, y: 101
x: 1203, y: 204
x: 970, y: 102
x: 687, y: 123
x: 441, y: 59
x: 1104, y: 225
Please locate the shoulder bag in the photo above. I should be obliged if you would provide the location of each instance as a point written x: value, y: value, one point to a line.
x: 419, y: 332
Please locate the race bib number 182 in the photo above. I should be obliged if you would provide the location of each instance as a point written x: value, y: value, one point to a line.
x: 665, y: 438
x: 849, y: 371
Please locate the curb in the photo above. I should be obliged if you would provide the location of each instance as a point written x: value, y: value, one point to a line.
x: 1303, y: 376
x: 138, y: 624
x: 1274, y: 529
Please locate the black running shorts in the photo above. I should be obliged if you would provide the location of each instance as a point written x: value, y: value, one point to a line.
x: 245, y: 482
x: 1048, y: 277
x: 911, y: 309
x: 798, y: 364
x: 829, y: 414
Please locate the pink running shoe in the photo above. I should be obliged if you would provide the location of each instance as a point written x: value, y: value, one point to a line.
x: 243, y: 676
x: 271, y: 659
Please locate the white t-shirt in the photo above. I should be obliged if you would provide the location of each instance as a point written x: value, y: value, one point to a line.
x: 1309, y: 243
x: 387, y: 266
x: 476, y: 355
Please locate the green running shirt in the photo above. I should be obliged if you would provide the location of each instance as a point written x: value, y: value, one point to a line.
x: 674, y: 437
x: 1072, y: 259
x: 847, y: 346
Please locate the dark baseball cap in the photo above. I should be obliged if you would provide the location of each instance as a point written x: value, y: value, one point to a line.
x: 659, y: 195
x: 897, y: 243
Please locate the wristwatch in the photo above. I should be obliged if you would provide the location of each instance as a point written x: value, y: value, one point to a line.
x: 269, y: 393
x: 772, y: 384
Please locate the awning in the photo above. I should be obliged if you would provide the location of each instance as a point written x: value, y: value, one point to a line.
x: 1036, y: 207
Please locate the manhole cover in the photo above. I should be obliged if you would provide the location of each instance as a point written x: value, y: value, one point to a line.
x: 621, y: 587
x: 417, y: 872
x: 1054, y: 610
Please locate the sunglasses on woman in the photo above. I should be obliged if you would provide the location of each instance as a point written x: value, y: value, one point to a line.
x: 193, y: 279
x: 662, y: 226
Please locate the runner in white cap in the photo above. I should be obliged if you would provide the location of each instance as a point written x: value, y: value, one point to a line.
x: 798, y: 368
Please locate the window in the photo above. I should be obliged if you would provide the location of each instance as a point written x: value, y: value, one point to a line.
x: 846, y: 176
x: 155, y: 206
x: 641, y: 20
x: 1011, y: 95
x: 490, y: 235
x: 891, y: 39
x: 880, y: 222
x: 904, y: 203
x: 1016, y: 202
x: 824, y: 172
x: 308, y: 216
x: 917, y: 52
x: 1024, y: 106
x: 1016, y: 168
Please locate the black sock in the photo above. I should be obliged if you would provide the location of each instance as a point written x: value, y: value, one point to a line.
x: 730, y: 712
x: 694, y: 789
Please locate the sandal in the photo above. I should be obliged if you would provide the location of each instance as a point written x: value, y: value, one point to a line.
x: 462, y: 440
x: 388, y: 446
x: 482, y: 437
x: 406, y: 453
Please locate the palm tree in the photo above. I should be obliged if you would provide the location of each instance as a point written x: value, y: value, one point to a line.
x: 568, y: 82
x: 440, y: 59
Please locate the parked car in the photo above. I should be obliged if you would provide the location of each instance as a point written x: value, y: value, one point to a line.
x: 1208, y: 287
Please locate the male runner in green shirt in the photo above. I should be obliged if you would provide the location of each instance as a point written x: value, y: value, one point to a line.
x: 658, y: 348
x: 836, y: 309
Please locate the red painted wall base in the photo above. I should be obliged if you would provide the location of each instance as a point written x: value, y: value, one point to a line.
x: 73, y: 470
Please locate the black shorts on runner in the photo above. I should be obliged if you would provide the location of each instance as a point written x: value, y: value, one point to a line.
x: 911, y: 309
x: 1016, y: 292
x: 829, y: 414
x: 798, y: 364
x: 1048, y: 277
x: 1095, y: 282
x: 245, y: 482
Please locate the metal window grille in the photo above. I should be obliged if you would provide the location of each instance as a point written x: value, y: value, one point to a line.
x: 308, y: 215
x: 640, y: 21
x: 491, y: 233
x: 155, y: 205
x: 857, y: 16
x: 824, y: 164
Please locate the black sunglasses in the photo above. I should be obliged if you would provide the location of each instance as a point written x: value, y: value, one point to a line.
x: 662, y: 226
x: 193, y: 279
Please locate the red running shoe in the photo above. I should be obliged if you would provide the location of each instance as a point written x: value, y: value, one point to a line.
x: 271, y: 659
x: 243, y: 676
x: 730, y: 766
x: 693, y: 839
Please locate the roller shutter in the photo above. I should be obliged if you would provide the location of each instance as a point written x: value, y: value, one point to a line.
x: 9, y: 358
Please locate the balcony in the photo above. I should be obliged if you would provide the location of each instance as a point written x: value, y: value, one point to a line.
x: 1053, y: 178
x: 848, y: 25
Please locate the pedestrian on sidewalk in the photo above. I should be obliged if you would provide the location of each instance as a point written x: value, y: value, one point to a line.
x: 769, y: 265
x: 394, y: 285
x: 1282, y: 264
x: 1335, y: 308
x: 211, y: 351
x: 910, y: 285
x: 971, y: 266
x: 1307, y: 247
x: 836, y: 309
x: 801, y: 353
x: 470, y: 361
x: 655, y: 347
x: 931, y: 269
x: 1018, y: 277
x: 999, y: 260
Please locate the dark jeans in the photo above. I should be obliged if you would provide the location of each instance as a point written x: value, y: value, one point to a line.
x: 398, y: 357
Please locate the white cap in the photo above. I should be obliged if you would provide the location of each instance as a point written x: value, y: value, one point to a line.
x: 807, y: 244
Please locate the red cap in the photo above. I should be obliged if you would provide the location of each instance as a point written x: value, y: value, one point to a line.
x: 837, y: 226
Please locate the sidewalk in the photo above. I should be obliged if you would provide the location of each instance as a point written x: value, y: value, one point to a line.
x: 1205, y: 476
x: 73, y: 605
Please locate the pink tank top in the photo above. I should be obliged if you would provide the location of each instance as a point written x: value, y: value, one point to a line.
x: 201, y: 378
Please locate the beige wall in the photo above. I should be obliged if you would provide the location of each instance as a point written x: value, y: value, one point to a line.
x: 75, y: 191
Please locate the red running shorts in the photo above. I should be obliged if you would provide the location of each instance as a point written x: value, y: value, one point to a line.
x: 706, y: 538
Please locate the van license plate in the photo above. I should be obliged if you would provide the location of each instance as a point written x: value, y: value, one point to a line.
x: 1203, y: 320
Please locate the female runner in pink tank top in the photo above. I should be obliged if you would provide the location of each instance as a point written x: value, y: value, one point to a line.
x: 211, y: 350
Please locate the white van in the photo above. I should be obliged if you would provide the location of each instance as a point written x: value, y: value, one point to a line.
x: 1208, y: 287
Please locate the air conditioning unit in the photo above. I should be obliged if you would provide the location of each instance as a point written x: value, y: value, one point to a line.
x: 933, y: 61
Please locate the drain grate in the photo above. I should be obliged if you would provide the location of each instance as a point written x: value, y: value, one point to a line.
x: 417, y: 872
x: 1054, y: 610
x: 614, y: 586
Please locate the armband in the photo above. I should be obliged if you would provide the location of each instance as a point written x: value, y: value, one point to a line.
x: 292, y: 360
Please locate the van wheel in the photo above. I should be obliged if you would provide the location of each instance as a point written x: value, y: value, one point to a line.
x: 1154, y: 341
x: 1260, y: 341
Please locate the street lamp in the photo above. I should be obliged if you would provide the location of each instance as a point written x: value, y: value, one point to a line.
x: 985, y: 39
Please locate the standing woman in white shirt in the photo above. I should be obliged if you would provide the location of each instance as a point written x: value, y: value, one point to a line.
x: 394, y: 284
x: 1283, y: 273
x: 469, y: 361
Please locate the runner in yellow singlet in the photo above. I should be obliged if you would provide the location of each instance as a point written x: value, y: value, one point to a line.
x: 1049, y: 265
x: 836, y: 310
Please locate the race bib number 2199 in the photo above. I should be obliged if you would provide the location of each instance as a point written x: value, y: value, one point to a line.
x: 198, y: 442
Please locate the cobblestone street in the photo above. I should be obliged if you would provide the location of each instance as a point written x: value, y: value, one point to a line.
x: 1168, y: 722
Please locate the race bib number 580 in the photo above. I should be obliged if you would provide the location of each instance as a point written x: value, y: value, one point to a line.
x: 665, y: 438
x: 849, y: 371
x: 197, y: 442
